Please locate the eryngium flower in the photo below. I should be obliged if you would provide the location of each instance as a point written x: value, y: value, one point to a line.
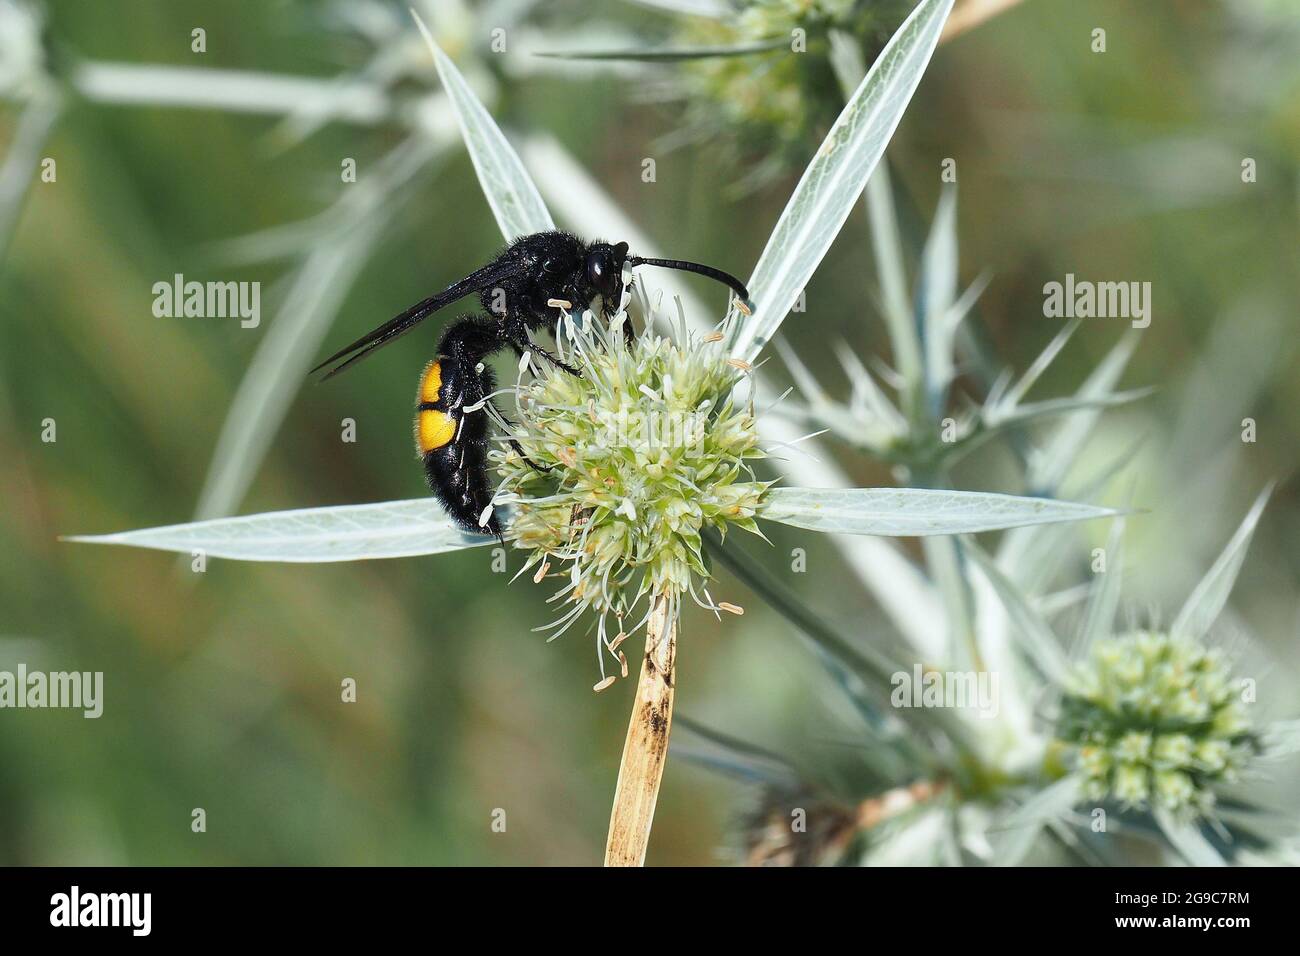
x: 1156, y: 719
x: 625, y: 464
x: 777, y: 101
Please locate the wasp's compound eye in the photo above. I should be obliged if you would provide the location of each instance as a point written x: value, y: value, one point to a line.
x: 596, y: 269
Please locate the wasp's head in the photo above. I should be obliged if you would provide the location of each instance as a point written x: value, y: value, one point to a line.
x: 603, y: 271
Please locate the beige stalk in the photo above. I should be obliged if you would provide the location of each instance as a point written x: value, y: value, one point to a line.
x: 646, y: 746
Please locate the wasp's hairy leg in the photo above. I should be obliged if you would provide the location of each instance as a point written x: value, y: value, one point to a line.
x: 522, y: 344
x: 542, y: 469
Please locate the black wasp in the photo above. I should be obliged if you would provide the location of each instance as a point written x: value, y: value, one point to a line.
x: 522, y: 289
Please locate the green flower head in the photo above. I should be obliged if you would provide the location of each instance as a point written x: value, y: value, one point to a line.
x: 619, y: 469
x: 784, y: 94
x: 1156, y: 719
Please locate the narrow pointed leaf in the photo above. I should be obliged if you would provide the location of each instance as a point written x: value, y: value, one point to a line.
x: 713, y: 9
x: 936, y: 294
x: 1039, y: 365
x: 1033, y: 636
x: 1103, y: 601
x: 836, y: 176
x: 868, y: 397
x: 1209, y: 597
x: 515, y: 201
x: 388, y: 529
x: 1032, y: 557
x: 887, y: 247
x: 1000, y: 419
x: 909, y: 512
x: 886, y: 242
x: 1001, y: 650
x: 947, y: 567
x: 671, y: 54
x: 1050, y: 467
x: 996, y: 421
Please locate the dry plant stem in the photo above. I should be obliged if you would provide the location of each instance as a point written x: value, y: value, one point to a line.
x: 896, y: 802
x: 968, y: 14
x: 646, y: 747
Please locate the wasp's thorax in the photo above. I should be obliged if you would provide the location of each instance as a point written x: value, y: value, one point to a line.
x: 554, y: 271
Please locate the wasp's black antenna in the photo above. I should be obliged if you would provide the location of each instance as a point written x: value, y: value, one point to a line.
x: 717, y: 274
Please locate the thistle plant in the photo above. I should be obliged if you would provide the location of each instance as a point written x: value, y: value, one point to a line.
x: 628, y: 520
x: 618, y: 486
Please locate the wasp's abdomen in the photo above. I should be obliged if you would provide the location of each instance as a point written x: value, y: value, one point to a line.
x: 453, y: 443
x: 434, y: 425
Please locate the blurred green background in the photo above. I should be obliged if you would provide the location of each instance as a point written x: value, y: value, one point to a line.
x: 222, y: 689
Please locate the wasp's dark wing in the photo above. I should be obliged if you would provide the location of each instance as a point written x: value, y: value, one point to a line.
x: 401, y: 324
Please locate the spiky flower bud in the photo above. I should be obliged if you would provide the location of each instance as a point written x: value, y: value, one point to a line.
x: 1156, y: 720
x: 624, y: 465
x: 774, y: 100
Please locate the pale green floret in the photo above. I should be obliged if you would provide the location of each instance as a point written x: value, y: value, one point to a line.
x: 1174, y: 790
x: 1156, y: 719
x: 1212, y: 755
x: 1173, y: 751
x: 1131, y: 784
x: 1133, y: 747
x: 1095, y: 761
x: 645, y: 449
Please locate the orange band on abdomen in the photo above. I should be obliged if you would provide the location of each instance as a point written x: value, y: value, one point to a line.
x: 430, y: 382
x: 433, y: 429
